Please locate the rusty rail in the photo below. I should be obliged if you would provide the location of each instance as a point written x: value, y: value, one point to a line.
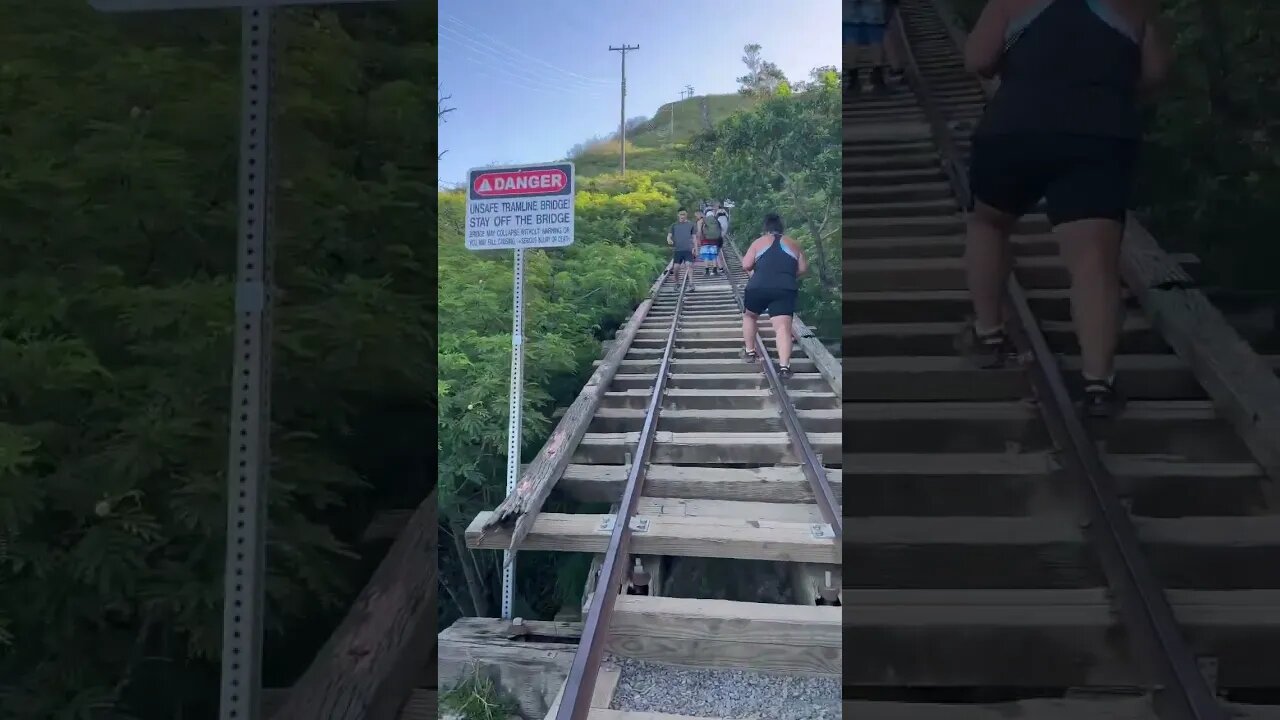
x: 1182, y: 692
x: 575, y: 703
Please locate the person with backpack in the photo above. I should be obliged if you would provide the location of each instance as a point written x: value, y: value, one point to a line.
x: 775, y: 262
x: 711, y: 233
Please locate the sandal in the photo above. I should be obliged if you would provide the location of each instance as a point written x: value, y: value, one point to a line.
x: 751, y: 355
x: 784, y: 371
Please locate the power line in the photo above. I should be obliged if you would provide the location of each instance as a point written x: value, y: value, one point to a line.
x: 511, y: 70
x: 518, y: 51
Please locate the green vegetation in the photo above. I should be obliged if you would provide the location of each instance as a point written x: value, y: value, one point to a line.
x: 778, y: 151
x: 783, y: 156
x: 1210, y: 171
x: 651, y: 145
x: 478, y: 698
x: 118, y: 201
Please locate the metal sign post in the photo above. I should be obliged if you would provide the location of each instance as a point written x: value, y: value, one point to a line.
x: 515, y: 409
x: 518, y: 208
x: 249, y: 452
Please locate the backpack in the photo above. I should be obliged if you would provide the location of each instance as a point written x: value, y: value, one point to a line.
x: 711, y: 227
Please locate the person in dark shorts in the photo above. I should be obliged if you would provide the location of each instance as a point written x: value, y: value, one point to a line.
x: 680, y: 238
x: 864, y: 36
x: 1063, y: 126
x: 775, y: 262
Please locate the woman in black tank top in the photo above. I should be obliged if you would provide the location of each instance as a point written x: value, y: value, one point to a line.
x: 775, y: 262
x: 1064, y: 126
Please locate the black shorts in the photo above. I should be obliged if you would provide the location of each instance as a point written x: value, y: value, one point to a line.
x: 682, y: 256
x: 776, y: 302
x: 1080, y: 177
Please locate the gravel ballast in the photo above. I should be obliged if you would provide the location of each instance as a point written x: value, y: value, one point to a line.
x: 728, y: 694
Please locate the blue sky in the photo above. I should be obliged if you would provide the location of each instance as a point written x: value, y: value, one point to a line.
x: 529, y: 80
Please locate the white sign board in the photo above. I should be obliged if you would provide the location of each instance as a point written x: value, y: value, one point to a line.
x: 517, y: 208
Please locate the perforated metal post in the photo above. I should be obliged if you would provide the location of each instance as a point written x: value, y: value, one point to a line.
x: 515, y: 411
x: 248, y: 466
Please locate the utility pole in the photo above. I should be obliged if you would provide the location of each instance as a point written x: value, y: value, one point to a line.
x: 622, y: 123
x: 673, y: 120
x: 689, y: 89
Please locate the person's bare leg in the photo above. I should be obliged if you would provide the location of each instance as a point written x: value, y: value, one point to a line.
x: 988, y: 261
x: 749, y: 331
x: 892, y: 49
x: 1091, y: 250
x: 782, y: 337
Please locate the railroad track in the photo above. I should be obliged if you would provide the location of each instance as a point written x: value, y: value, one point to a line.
x: 1001, y: 559
x: 723, y: 502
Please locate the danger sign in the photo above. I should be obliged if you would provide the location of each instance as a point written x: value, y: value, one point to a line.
x: 520, y: 183
x: 530, y: 206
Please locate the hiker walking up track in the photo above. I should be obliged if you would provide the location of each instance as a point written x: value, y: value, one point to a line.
x: 1063, y: 126
x: 864, y: 36
x: 775, y: 261
x: 712, y: 238
x: 680, y: 238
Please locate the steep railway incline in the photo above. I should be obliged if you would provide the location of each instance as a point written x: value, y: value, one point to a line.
x: 988, y: 572
x: 721, y: 488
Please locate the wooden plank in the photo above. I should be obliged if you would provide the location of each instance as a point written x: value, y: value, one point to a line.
x: 606, y: 684
x: 780, y: 512
x: 606, y: 714
x: 519, y: 509
x: 1119, y: 708
x: 696, y: 399
x: 1189, y: 428
x: 1165, y: 377
x: 828, y: 365
x: 555, y: 704
x: 764, y: 419
x: 928, y: 637
x: 728, y: 634
x: 690, y: 537
x: 692, y: 448
x: 1242, y: 383
x: 1049, y: 271
x: 604, y: 483
x: 999, y: 483
x: 938, y: 338
x: 885, y: 131
x: 1054, y: 552
x: 370, y: 664
x: 423, y: 704
x: 530, y: 671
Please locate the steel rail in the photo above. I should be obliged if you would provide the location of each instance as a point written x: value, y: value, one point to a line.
x: 1183, y: 693
x: 810, y: 464
x: 575, y: 702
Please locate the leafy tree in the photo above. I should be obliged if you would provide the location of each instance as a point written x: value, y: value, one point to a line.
x: 783, y: 156
x: 763, y: 76
x: 117, y: 191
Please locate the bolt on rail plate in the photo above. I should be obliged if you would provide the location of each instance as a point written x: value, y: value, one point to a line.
x: 638, y: 524
x: 821, y: 531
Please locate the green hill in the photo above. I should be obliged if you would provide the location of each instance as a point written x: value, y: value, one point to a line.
x: 653, y: 145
